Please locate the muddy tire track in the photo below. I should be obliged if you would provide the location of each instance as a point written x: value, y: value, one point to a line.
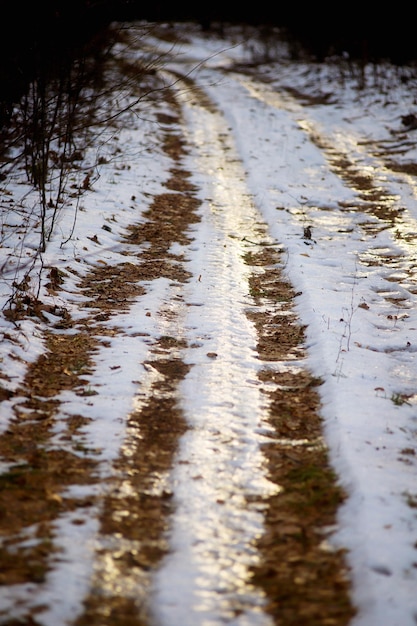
x: 371, y: 171
x: 135, y: 513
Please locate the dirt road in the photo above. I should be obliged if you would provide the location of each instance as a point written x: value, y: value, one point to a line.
x: 221, y: 465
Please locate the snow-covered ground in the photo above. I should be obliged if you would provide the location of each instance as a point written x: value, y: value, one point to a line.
x: 302, y: 137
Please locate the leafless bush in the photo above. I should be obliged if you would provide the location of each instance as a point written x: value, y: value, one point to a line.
x: 67, y: 108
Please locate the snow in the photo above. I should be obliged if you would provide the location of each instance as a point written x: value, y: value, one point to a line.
x: 357, y: 296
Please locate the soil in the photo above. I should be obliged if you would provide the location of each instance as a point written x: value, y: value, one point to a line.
x: 306, y: 583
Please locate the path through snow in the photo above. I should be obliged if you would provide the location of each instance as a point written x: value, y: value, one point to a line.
x: 284, y: 154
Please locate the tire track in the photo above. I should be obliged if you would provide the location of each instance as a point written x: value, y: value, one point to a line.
x: 234, y: 458
x: 137, y: 506
x: 365, y: 169
x: 123, y: 508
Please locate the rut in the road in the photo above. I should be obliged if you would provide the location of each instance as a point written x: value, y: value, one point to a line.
x: 136, y: 512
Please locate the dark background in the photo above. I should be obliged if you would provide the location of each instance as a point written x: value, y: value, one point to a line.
x: 53, y: 31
